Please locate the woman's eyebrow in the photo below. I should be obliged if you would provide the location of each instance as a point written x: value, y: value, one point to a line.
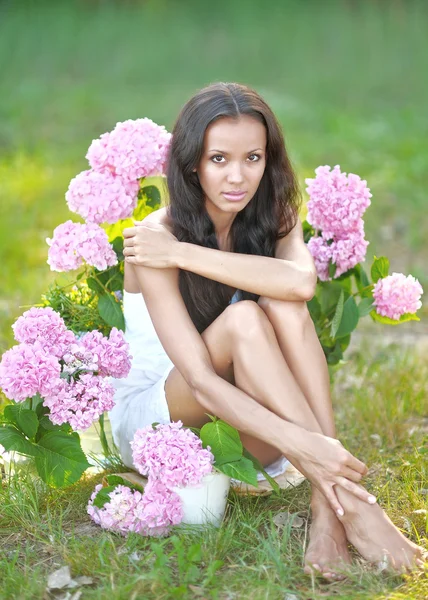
x: 227, y: 153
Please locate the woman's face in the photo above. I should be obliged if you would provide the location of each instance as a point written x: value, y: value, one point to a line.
x: 233, y: 160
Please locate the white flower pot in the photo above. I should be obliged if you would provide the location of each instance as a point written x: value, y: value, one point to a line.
x: 206, y: 503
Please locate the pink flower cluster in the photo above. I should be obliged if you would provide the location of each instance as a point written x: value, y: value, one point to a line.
x: 108, y: 192
x: 27, y: 370
x: 151, y: 513
x: 171, y: 453
x: 68, y: 373
x: 134, y: 149
x: 79, y: 402
x: 337, y: 203
x: 45, y: 326
x: 171, y: 457
x: 73, y: 243
x: 397, y: 295
x: 102, y: 197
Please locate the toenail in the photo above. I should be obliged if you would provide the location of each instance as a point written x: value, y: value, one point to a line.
x: 372, y: 499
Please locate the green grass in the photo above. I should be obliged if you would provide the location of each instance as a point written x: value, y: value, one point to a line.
x: 42, y: 530
x: 346, y: 80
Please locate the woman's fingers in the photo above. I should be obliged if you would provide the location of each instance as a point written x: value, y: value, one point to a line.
x: 357, y: 465
x: 356, y: 489
x: 351, y: 474
x: 330, y: 494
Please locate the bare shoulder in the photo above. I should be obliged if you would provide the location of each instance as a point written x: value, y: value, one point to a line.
x: 159, y: 216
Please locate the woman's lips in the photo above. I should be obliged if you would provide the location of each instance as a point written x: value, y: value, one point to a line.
x: 234, y: 197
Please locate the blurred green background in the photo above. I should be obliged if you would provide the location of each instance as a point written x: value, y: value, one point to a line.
x: 347, y: 80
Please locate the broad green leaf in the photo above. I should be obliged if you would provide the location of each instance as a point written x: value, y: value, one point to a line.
x: 117, y: 480
x: 365, y: 307
x: 117, y: 244
x: 328, y: 294
x: 380, y: 268
x: 223, y: 440
x: 334, y: 355
x: 308, y: 231
x: 337, y: 315
x: 314, y: 308
x: 110, y: 311
x: 103, y: 496
x: 387, y: 321
x: 259, y: 467
x: 332, y: 269
x: 152, y: 196
x: 14, y: 440
x: 94, y: 285
x: 111, y: 278
x: 361, y: 277
x: 25, y: 420
x: 242, y: 470
x: 350, y: 318
x: 61, y: 461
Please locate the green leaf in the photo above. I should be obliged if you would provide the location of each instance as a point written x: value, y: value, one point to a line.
x: 14, y: 440
x: 350, y: 318
x: 337, y: 315
x: 332, y: 269
x: 94, y: 285
x: 103, y: 496
x: 223, y: 440
x: 314, y: 308
x: 117, y: 244
x: 25, y: 420
x: 328, y: 295
x: 308, y: 231
x: 361, y: 277
x: 61, y: 461
x: 365, y: 307
x: 387, y: 321
x: 334, y: 355
x: 259, y: 467
x: 114, y: 480
x: 153, y: 197
x: 111, y: 278
x: 380, y: 268
x: 110, y: 311
x: 242, y: 470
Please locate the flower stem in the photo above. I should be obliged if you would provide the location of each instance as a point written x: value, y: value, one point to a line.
x: 103, y: 437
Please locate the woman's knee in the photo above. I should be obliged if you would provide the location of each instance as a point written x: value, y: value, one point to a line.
x: 246, y: 319
x: 283, y: 309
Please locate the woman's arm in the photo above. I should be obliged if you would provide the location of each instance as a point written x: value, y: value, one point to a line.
x: 289, y: 276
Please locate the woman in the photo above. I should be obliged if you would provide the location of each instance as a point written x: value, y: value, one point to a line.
x: 232, y: 232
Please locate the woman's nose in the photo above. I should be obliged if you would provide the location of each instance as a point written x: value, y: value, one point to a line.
x: 235, y: 173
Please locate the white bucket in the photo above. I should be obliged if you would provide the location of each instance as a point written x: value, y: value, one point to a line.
x: 206, y: 503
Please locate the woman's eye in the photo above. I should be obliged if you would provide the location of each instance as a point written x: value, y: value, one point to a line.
x: 213, y: 158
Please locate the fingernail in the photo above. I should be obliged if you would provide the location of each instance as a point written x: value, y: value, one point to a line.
x: 372, y: 499
x: 340, y: 512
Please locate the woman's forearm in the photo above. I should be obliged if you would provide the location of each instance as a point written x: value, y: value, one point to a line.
x: 272, y: 277
x: 246, y: 414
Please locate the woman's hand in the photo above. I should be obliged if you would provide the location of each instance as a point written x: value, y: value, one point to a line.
x: 326, y: 463
x: 150, y: 244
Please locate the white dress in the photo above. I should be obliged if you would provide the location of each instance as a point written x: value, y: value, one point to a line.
x: 140, y: 397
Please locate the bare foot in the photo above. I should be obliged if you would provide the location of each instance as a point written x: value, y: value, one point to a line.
x: 327, y: 552
x: 375, y: 536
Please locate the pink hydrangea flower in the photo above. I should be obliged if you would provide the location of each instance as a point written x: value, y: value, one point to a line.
x: 157, y: 509
x: 27, y: 370
x: 80, y: 402
x: 151, y: 513
x: 134, y: 149
x: 45, y: 326
x: 111, y: 354
x: 344, y: 253
x: 102, y: 197
x: 74, y: 243
x: 397, y: 295
x: 171, y: 453
x: 337, y: 201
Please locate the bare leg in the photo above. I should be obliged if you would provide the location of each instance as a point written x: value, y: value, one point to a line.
x: 367, y: 527
x: 297, y: 338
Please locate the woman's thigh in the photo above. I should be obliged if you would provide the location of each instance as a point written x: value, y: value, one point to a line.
x: 183, y: 405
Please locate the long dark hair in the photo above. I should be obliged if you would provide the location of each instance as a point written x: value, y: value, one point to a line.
x: 255, y: 229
